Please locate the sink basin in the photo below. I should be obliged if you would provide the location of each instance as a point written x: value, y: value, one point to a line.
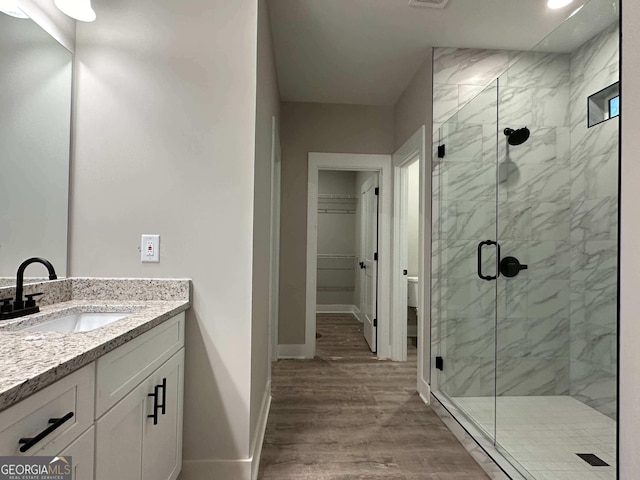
x: 77, y: 322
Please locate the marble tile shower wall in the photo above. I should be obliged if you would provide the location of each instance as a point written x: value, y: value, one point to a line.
x: 557, y: 204
x: 594, y: 228
x: 533, y: 221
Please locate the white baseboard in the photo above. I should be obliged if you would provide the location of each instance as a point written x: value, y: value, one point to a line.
x: 240, y: 469
x: 337, y: 309
x: 258, y: 438
x: 297, y: 351
x: 216, y: 469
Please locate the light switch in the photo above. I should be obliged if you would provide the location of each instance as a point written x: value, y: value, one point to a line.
x: 150, y: 248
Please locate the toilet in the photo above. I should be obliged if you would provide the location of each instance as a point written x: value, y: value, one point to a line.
x: 412, y: 292
x: 412, y: 303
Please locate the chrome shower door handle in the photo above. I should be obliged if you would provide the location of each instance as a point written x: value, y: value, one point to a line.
x: 480, y: 274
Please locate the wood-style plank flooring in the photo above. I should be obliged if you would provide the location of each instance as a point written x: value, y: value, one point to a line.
x: 347, y: 415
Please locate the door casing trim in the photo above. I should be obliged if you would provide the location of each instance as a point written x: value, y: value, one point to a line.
x: 351, y: 162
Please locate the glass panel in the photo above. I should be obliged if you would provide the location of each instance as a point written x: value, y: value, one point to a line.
x: 464, y: 214
x: 556, y: 344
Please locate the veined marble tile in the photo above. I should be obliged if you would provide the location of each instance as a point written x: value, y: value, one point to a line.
x: 601, y: 306
x: 549, y: 337
x: 481, y: 109
x: 594, y: 261
x: 594, y: 387
x: 539, y: 183
x: 538, y: 69
x: 468, y: 298
x: 540, y: 148
x: 596, y: 177
x: 547, y: 298
x: 466, y: 93
x: 490, y: 139
x: 463, y: 142
x: 511, y: 341
x: 474, y: 337
x: 591, y: 219
x: 550, y: 221
x: 468, y: 66
x: 514, y: 220
x: 515, y: 107
x: 551, y: 106
x: 468, y: 181
x: 512, y: 299
x: 527, y: 376
x: 459, y: 259
x: 597, y: 54
x: 601, y: 139
x: 475, y: 220
x: 445, y: 102
x: 548, y: 259
x: 469, y: 376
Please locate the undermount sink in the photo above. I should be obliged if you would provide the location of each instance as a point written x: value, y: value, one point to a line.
x: 77, y: 322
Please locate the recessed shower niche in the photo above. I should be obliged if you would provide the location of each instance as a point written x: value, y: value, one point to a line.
x: 604, y: 105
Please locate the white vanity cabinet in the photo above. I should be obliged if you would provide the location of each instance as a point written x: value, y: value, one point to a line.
x: 141, y: 436
x: 139, y: 387
x: 50, y: 419
x: 119, y: 418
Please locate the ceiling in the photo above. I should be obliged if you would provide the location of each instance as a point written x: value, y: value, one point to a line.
x: 367, y: 51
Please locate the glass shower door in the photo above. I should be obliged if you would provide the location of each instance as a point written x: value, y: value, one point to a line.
x: 463, y: 250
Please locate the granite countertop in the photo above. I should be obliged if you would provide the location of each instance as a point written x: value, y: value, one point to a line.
x: 30, y: 361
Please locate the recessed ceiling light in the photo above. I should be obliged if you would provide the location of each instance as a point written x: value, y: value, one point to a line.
x: 10, y: 8
x: 554, y: 4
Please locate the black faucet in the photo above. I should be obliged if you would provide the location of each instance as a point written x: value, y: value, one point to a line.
x: 20, y: 307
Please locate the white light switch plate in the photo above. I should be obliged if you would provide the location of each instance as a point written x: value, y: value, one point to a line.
x: 150, y: 248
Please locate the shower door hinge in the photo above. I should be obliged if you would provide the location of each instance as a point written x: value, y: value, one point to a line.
x: 439, y: 363
x: 375, y: 257
x: 375, y: 322
x: 377, y: 191
x: 441, y: 151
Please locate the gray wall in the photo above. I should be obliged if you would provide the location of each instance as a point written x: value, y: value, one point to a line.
x: 414, y: 108
x: 315, y: 127
x: 267, y: 106
x: 629, y: 459
x: 164, y: 143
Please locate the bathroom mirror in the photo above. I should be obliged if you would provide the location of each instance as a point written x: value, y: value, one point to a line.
x: 35, y: 101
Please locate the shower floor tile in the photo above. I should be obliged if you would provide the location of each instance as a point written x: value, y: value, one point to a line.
x: 544, y: 434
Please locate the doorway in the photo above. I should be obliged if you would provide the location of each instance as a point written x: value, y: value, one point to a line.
x: 411, y: 258
x: 373, y: 255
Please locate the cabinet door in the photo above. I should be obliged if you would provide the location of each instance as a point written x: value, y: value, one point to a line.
x: 81, y: 453
x: 119, y: 435
x: 162, y: 452
x: 128, y: 444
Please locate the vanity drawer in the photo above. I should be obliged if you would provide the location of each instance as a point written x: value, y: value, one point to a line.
x: 121, y: 370
x: 70, y: 397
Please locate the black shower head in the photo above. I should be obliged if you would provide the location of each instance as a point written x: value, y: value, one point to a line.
x: 517, y: 137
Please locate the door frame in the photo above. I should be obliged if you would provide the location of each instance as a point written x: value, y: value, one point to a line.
x: 413, y: 148
x: 274, y: 260
x: 351, y: 162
